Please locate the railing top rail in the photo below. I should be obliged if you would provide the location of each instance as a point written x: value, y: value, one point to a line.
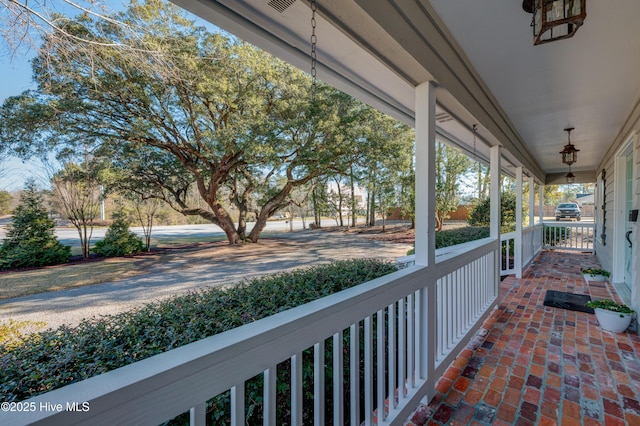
x: 554, y: 224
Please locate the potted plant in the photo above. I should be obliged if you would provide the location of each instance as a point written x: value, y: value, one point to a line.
x: 611, y: 316
x: 595, y: 274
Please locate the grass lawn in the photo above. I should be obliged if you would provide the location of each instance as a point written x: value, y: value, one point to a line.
x: 59, y: 277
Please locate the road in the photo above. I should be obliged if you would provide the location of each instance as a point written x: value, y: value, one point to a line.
x: 69, y: 235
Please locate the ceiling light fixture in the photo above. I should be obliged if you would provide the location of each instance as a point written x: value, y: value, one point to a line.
x: 555, y: 19
x: 569, y: 153
x: 570, y: 177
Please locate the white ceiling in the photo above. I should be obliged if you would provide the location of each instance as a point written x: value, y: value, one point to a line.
x: 589, y: 82
x: 481, y: 56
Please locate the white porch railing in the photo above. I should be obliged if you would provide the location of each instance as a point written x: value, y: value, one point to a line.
x: 508, y: 253
x: 531, y: 246
x: 577, y: 236
x: 404, y: 329
x: 531, y: 243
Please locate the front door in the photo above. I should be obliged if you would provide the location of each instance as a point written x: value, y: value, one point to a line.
x: 628, y: 229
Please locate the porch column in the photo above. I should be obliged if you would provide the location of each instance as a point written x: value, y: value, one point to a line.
x: 532, y: 201
x: 494, y: 192
x: 425, y: 181
x: 541, y: 206
x: 518, y: 240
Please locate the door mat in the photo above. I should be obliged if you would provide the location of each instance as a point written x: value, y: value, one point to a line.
x: 570, y: 301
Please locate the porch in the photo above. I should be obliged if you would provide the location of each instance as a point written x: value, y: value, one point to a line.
x: 533, y: 364
x: 529, y: 364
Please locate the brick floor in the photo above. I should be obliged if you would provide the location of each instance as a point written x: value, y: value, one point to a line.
x: 537, y: 365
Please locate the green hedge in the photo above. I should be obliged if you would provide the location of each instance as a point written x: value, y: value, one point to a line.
x: 54, y: 358
x: 556, y: 235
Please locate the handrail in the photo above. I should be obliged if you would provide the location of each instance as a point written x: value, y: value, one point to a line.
x: 577, y: 236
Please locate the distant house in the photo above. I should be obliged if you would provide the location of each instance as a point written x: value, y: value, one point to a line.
x: 585, y: 199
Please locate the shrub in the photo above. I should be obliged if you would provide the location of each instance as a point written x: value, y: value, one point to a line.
x: 118, y: 240
x: 30, y: 239
x: 13, y: 333
x: 556, y: 235
x: 481, y: 215
x: 54, y: 358
x: 452, y: 237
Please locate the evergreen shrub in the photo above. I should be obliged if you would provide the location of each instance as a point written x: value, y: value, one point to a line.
x: 119, y: 240
x: 30, y: 239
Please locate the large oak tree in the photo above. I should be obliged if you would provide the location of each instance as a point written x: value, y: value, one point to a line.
x: 176, y: 106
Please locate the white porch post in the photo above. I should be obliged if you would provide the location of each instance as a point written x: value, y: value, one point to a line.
x: 518, y: 240
x: 541, y: 207
x: 532, y: 201
x: 425, y: 235
x: 495, y: 192
x: 425, y: 189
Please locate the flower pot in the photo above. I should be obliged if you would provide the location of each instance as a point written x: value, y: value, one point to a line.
x: 613, y: 321
x: 591, y: 277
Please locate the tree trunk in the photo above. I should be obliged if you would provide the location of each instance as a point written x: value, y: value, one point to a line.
x: 354, y: 218
x: 372, y: 209
x: 84, y: 238
x: 438, y: 223
x: 261, y: 223
x: 314, y: 202
x: 340, y: 204
x: 366, y: 213
x: 242, y: 221
x: 383, y: 210
x: 225, y: 222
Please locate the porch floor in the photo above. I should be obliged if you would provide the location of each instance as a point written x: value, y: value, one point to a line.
x: 536, y: 365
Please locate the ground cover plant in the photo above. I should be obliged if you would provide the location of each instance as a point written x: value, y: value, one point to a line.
x: 54, y: 358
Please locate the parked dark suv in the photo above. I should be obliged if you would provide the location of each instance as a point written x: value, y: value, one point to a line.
x: 568, y: 210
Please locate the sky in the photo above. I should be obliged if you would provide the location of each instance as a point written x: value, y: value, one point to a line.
x: 16, y: 77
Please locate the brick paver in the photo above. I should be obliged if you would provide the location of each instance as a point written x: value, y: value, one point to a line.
x: 537, y: 365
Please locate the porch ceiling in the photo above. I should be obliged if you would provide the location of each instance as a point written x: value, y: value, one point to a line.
x: 481, y: 56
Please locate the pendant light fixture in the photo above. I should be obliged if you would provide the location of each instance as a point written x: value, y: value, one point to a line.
x: 555, y: 19
x: 569, y: 155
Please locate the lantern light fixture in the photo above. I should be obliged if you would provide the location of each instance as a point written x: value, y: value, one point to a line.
x: 569, y: 153
x: 555, y: 19
x: 570, y: 177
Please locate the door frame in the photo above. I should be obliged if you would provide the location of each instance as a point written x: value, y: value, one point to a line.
x: 620, y: 214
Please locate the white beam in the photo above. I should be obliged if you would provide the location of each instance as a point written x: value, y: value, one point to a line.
x: 532, y: 201
x: 541, y: 207
x: 425, y: 189
x: 494, y: 192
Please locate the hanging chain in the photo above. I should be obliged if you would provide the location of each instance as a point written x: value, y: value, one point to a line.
x: 474, y: 128
x: 475, y: 134
x: 314, y: 41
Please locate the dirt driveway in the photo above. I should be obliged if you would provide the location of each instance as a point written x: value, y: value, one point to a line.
x: 216, y: 265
